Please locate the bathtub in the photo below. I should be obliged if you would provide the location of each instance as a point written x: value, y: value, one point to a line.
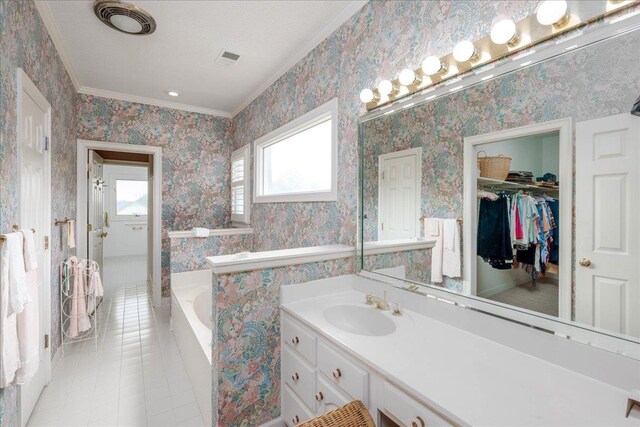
x: 191, y: 323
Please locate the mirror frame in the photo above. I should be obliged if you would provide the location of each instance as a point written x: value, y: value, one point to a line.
x: 621, y: 344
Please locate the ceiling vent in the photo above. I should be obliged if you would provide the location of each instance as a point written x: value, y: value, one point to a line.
x: 227, y: 58
x: 124, y: 17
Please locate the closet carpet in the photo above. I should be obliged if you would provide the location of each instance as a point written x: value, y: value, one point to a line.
x: 543, y: 298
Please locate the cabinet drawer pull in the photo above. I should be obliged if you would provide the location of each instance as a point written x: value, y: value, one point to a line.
x: 295, y: 340
x: 337, y: 373
x: 295, y: 420
x: 415, y: 424
x: 319, y: 396
x: 295, y: 377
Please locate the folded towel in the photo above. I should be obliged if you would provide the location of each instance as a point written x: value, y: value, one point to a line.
x: 201, y: 232
x: 71, y: 233
x: 30, y: 257
x: 432, y: 227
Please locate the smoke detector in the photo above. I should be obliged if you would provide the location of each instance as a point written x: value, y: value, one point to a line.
x: 227, y: 58
x: 124, y: 17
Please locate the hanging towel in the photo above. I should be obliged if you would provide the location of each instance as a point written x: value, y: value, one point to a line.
x: 9, y: 353
x: 201, y: 232
x: 28, y: 326
x: 95, y: 285
x: 71, y: 233
x: 451, y: 259
x: 16, y: 280
x: 30, y: 257
x: 78, y: 321
x: 431, y: 227
x: 436, y: 251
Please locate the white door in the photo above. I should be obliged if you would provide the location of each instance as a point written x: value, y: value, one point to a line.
x: 96, y: 212
x: 34, y: 162
x: 399, y: 194
x: 607, y: 226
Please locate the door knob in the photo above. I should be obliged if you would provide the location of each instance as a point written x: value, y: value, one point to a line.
x: 103, y: 234
x: 585, y: 262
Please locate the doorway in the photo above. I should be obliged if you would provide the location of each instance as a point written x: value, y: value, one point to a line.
x: 119, y: 212
x: 400, y: 181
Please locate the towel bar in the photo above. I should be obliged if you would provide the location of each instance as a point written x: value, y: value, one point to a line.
x: 459, y: 219
x: 13, y: 229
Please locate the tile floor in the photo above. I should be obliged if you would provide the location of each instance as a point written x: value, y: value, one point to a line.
x: 134, y: 376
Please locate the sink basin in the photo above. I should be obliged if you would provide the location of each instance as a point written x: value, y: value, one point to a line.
x: 359, y: 320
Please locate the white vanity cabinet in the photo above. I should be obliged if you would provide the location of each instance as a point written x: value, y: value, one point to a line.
x: 318, y: 377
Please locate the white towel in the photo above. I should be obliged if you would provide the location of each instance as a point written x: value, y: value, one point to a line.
x: 431, y: 227
x: 28, y: 326
x: 30, y: 257
x: 71, y: 233
x: 16, y: 282
x: 451, y: 259
x: 9, y: 353
x: 436, y: 251
x: 201, y: 232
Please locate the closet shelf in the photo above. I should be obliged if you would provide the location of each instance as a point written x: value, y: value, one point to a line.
x: 514, y: 185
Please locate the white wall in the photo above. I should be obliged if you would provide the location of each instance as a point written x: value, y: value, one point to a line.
x: 538, y: 154
x: 127, y: 236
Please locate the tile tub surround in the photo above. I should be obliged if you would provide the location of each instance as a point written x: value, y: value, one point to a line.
x: 246, y: 338
x: 196, y: 159
x: 25, y: 43
x: 472, y: 368
x: 189, y: 253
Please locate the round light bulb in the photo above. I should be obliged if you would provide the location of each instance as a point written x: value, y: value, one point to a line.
x: 504, y: 32
x: 126, y: 23
x: 172, y: 93
x: 385, y: 87
x: 464, y: 51
x: 367, y: 95
x: 432, y: 65
x: 551, y: 12
x: 407, y: 77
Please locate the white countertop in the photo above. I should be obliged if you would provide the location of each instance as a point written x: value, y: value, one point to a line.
x: 247, y: 261
x: 397, y: 245
x: 468, y: 378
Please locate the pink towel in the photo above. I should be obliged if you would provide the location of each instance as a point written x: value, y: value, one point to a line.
x: 78, y: 321
x: 28, y: 326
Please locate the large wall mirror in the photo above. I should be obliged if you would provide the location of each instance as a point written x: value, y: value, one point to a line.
x: 521, y: 190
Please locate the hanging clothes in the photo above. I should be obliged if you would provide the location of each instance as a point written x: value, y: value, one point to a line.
x: 494, y: 233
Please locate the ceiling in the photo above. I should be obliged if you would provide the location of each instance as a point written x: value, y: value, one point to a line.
x: 269, y: 36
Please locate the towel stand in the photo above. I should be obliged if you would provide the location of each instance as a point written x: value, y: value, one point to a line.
x: 13, y: 230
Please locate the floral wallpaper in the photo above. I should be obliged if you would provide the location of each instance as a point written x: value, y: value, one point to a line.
x: 195, y: 159
x: 188, y: 254
x: 25, y: 43
x: 246, y: 350
x: 375, y: 43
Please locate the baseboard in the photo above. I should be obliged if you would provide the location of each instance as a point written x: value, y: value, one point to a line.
x: 55, y: 361
x: 278, y: 422
x: 502, y: 287
x: 166, y: 302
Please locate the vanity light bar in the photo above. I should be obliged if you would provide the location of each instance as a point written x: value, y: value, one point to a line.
x: 552, y: 18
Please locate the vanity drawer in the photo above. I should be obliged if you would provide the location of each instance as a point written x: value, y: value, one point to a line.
x: 303, y: 341
x: 345, y: 373
x: 409, y: 411
x: 299, y: 376
x: 293, y: 410
x: 328, y: 396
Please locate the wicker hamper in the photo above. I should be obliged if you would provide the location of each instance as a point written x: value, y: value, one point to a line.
x: 494, y: 167
x: 353, y: 414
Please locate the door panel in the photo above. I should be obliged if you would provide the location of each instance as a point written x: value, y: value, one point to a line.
x: 607, y: 236
x: 35, y: 211
x: 96, y: 211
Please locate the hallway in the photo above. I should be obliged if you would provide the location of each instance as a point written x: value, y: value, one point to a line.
x: 134, y: 377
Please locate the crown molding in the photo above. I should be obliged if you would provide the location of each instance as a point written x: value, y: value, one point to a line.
x: 54, y: 33
x: 347, y: 12
x: 152, y: 101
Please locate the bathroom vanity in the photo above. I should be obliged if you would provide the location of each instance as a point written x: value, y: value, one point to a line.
x: 416, y: 371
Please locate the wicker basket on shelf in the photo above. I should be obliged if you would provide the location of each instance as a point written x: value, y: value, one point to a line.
x: 353, y: 414
x: 494, y: 167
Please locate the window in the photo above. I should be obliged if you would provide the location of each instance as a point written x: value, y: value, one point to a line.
x: 131, y: 197
x: 240, y: 186
x: 297, y: 162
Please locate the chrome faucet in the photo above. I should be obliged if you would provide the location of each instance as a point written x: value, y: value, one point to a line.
x: 381, y: 303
